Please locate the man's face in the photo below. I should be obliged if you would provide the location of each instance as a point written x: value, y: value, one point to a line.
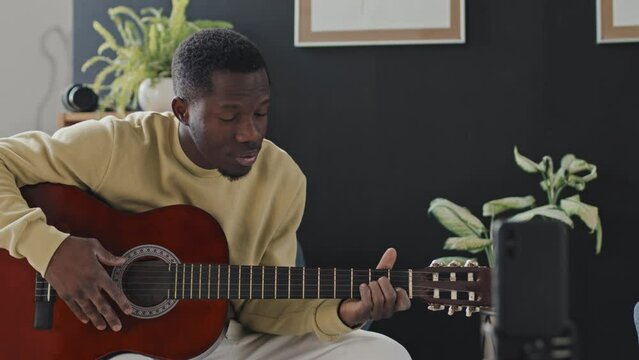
x: 227, y: 127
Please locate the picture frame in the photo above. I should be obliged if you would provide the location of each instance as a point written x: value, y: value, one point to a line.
x: 379, y: 22
x: 617, y: 21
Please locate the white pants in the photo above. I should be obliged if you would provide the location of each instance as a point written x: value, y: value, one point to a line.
x: 241, y: 344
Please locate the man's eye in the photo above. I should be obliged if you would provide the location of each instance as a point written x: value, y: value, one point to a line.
x: 260, y: 114
x: 227, y: 118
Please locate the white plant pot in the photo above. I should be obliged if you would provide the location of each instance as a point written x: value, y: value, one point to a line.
x: 157, y: 97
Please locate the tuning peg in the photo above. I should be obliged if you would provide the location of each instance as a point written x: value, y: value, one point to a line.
x: 453, y: 309
x: 470, y: 310
x: 453, y: 263
x: 471, y: 263
x: 435, y: 263
x: 435, y: 307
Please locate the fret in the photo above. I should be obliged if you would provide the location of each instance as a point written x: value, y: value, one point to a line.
x: 250, y: 281
x: 218, y: 281
x: 289, y: 282
x: 176, y: 278
x: 303, y: 281
x: 183, y: 278
x: 48, y: 292
x: 239, y: 280
x: 191, y: 281
x: 351, y: 283
x: 318, y: 282
x: 369, y: 276
x: 262, y: 282
x: 410, y: 283
x: 275, y: 285
x: 200, y: 293
x: 228, y: 281
x: 334, y: 283
x: 169, y: 288
x: 209, y: 295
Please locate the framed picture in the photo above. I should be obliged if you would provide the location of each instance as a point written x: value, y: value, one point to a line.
x: 617, y: 21
x: 378, y: 22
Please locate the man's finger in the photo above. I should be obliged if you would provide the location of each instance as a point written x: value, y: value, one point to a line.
x: 92, y: 313
x: 388, y: 259
x: 75, y: 309
x: 378, y: 300
x: 118, y: 296
x: 104, y: 308
x: 403, y: 301
x: 107, y: 258
x: 390, y: 296
x: 366, y: 301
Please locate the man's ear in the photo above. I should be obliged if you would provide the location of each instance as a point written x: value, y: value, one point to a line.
x: 180, y: 109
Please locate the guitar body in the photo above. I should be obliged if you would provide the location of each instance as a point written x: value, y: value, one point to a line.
x: 185, y: 331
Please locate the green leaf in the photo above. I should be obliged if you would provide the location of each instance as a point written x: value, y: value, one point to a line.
x: 547, y: 166
x: 566, y: 160
x: 123, y: 10
x: 576, y: 182
x: 448, y: 259
x: 471, y: 244
x: 526, y: 164
x: 87, y: 64
x: 151, y: 11
x: 101, y: 76
x: 498, y: 206
x: 206, y: 24
x: 455, y: 218
x: 550, y: 211
x: 102, y: 48
x: 599, y: 237
x: 106, y: 35
x: 544, y: 184
x: 587, y: 213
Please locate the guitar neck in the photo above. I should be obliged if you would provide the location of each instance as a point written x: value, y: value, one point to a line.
x: 217, y: 281
x: 214, y: 281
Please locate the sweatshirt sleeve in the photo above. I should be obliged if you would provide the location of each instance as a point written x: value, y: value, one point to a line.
x: 291, y: 317
x: 78, y: 155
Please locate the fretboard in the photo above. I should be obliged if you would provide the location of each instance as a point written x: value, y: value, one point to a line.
x: 213, y: 281
x: 208, y: 281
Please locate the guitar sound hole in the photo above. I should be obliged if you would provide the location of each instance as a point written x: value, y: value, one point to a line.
x: 145, y: 282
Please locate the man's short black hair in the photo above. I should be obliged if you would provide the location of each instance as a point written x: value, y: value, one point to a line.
x: 207, y: 51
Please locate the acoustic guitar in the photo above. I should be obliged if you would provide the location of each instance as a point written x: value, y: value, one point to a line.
x: 179, y: 281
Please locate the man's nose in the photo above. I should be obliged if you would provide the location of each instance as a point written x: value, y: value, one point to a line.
x: 247, y: 131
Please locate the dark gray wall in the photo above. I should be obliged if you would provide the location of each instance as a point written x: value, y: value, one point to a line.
x: 380, y: 131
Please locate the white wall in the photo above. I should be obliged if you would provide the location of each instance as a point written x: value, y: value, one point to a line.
x: 35, y: 63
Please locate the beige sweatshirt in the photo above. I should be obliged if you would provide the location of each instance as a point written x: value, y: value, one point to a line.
x: 137, y: 164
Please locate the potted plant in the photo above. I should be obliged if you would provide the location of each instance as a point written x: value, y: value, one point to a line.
x: 141, y: 60
x: 473, y: 236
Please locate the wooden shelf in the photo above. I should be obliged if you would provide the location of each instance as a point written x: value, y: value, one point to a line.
x: 70, y: 118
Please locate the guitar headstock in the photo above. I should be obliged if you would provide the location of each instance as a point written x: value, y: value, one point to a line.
x: 453, y: 285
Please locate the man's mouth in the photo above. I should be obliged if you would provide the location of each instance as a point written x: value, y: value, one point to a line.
x: 247, y: 159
